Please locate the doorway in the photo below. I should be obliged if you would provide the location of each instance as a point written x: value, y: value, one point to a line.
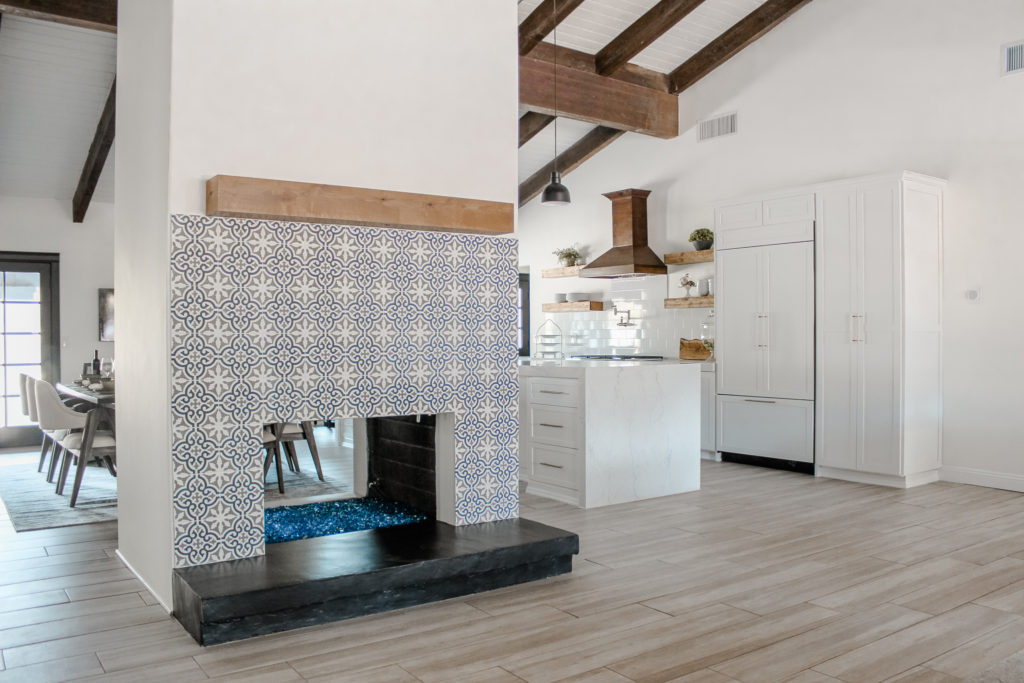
x: 29, y: 335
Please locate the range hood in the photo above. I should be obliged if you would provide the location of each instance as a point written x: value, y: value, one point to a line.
x: 629, y: 256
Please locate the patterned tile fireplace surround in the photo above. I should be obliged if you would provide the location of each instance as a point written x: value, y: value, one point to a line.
x: 275, y: 321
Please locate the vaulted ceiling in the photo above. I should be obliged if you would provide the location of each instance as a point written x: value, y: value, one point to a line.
x: 620, y: 64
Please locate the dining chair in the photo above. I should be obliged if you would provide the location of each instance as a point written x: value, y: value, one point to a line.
x: 273, y: 453
x: 83, y: 443
x: 51, y: 438
x: 288, y: 433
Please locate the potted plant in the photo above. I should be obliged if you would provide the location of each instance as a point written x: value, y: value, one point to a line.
x: 569, y: 256
x: 702, y: 239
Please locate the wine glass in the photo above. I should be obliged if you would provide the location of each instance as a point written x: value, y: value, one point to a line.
x: 106, y: 366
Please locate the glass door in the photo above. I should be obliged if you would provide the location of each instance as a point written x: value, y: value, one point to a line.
x: 29, y: 334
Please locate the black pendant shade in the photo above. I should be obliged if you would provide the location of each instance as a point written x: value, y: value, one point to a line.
x: 555, y: 192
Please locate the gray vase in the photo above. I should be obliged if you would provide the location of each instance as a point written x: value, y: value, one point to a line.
x: 702, y: 245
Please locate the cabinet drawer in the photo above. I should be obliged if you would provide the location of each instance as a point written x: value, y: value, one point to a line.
x: 554, y: 392
x: 553, y: 465
x: 770, y: 428
x: 554, y: 426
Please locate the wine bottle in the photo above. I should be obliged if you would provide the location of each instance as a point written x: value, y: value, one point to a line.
x: 96, y: 363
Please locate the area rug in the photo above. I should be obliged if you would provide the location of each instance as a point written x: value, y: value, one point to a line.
x: 32, y: 504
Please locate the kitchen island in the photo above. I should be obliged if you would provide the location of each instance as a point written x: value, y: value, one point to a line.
x: 597, y: 433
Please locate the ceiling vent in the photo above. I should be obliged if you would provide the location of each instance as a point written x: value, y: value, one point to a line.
x: 1013, y: 58
x: 716, y: 127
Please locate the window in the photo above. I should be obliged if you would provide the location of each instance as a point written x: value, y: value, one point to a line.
x: 29, y: 330
x: 524, y: 314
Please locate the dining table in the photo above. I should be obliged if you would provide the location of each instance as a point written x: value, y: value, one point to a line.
x: 102, y: 399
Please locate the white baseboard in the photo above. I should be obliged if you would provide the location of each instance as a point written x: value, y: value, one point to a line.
x: 906, y: 482
x: 994, y: 480
x: 144, y: 582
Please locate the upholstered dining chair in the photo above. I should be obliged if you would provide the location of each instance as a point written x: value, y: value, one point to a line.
x: 83, y: 443
x: 51, y: 438
x: 288, y: 433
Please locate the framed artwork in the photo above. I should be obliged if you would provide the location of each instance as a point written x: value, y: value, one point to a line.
x: 106, y: 314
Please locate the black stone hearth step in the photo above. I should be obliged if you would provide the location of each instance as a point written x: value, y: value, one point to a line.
x: 318, y: 580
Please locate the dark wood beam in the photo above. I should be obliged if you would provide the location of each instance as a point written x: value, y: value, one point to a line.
x: 642, y: 33
x: 542, y: 21
x: 568, y: 161
x: 582, y: 61
x: 98, y: 151
x: 532, y: 123
x: 740, y: 35
x: 100, y: 15
x: 597, y: 99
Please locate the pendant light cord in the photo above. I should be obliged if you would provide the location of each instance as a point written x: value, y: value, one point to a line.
x: 554, y: 73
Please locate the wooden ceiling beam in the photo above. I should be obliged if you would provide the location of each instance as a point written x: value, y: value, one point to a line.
x: 542, y: 21
x: 583, y: 61
x: 641, y: 33
x: 568, y: 161
x: 732, y: 41
x: 532, y: 123
x: 100, y: 15
x: 597, y: 99
x: 97, y: 157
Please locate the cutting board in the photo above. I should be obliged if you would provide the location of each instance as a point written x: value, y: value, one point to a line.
x: 693, y: 349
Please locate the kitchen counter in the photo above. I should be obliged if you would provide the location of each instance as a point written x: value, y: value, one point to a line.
x: 603, y: 432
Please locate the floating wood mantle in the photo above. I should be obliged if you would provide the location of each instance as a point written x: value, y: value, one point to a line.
x: 309, y: 202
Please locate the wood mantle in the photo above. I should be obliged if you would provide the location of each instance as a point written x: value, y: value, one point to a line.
x: 287, y: 200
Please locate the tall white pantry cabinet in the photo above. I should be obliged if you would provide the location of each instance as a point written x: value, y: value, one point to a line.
x: 879, y: 329
x: 830, y: 330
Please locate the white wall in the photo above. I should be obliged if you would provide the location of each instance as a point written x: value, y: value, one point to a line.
x: 141, y: 248
x: 850, y: 88
x: 391, y: 94
x: 86, y: 264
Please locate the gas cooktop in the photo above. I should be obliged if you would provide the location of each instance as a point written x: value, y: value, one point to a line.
x: 615, y: 357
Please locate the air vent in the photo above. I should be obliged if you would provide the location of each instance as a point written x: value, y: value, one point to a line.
x: 716, y: 127
x: 1013, y: 58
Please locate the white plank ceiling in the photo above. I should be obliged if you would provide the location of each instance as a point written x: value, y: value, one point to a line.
x: 595, y: 23
x: 54, y: 81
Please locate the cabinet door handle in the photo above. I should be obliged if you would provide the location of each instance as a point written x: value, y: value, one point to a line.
x: 755, y: 400
x: 758, y: 331
x: 548, y: 391
x: 547, y: 464
x: 850, y: 333
x: 857, y: 333
x: 545, y: 424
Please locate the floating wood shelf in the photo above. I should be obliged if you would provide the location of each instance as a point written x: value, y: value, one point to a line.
x: 681, y: 258
x: 568, y: 271
x: 690, y: 302
x: 573, y: 307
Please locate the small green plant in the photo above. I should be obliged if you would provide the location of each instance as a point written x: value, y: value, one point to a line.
x: 702, y: 235
x: 570, y: 256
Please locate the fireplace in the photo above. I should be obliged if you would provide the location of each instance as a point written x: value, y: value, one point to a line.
x: 278, y: 322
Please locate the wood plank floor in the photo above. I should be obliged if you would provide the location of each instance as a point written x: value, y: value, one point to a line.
x: 760, y: 576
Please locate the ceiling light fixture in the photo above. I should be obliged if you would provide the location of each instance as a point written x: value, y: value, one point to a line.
x: 555, y: 193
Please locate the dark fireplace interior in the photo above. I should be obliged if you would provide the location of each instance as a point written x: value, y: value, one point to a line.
x: 400, y: 457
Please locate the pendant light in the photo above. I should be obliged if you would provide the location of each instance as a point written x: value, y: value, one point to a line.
x: 555, y: 193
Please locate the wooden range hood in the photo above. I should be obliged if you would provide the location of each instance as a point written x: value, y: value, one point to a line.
x: 629, y: 256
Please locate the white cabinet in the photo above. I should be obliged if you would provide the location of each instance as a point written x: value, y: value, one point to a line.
x: 765, y: 314
x: 776, y: 220
x: 766, y: 427
x: 707, y: 412
x: 879, y: 329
